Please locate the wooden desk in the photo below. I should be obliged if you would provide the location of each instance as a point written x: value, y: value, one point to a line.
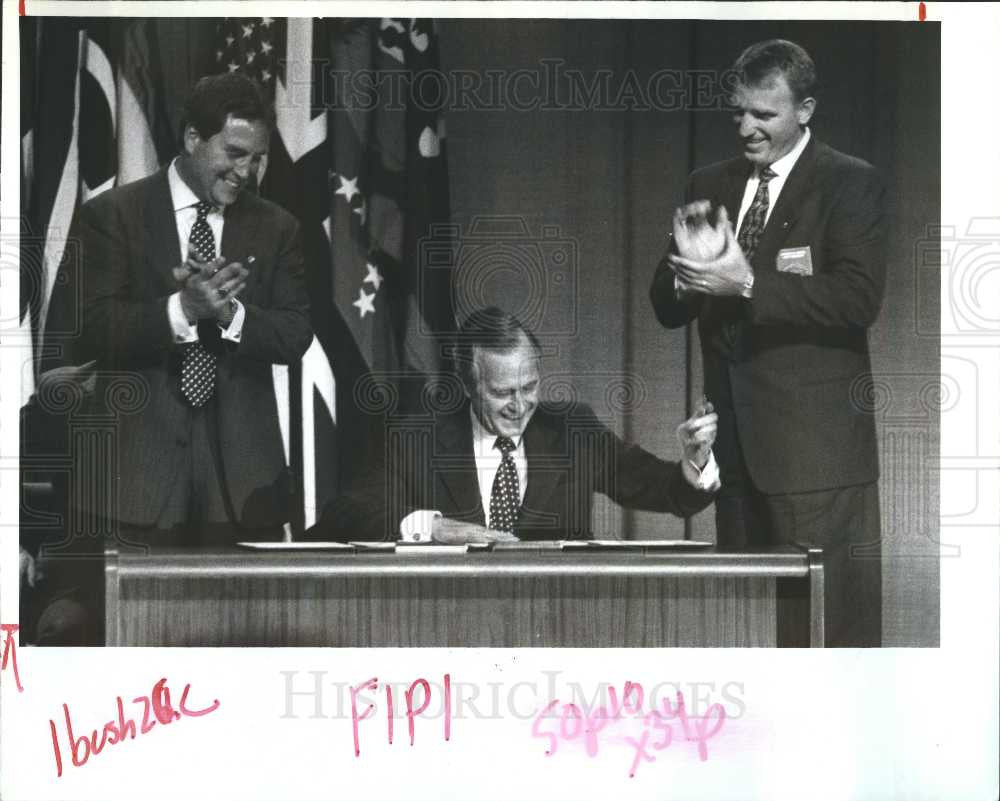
x: 650, y: 598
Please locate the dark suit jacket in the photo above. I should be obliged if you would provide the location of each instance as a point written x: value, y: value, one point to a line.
x: 570, y: 455
x: 128, y: 246
x: 800, y: 380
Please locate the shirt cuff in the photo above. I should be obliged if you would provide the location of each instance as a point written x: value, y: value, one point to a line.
x: 417, y: 526
x: 706, y: 479
x: 235, y: 329
x: 182, y: 330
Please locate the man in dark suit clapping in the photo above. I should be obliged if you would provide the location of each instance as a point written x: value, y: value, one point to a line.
x: 780, y: 254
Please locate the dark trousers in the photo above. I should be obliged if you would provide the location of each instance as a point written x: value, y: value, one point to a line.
x: 844, y: 522
x: 68, y: 606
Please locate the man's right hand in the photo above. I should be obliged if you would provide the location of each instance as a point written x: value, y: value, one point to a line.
x: 446, y: 531
x: 207, y: 287
x: 696, y: 239
x: 27, y: 569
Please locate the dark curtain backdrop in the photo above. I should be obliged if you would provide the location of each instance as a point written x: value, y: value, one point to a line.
x: 599, y: 185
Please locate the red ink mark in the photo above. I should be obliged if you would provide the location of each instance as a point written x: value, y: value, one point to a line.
x: 415, y: 707
x: 922, y: 14
x: 10, y: 651
x: 447, y: 707
x: 191, y: 713
x: 114, y: 731
x: 162, y: 709
x: 147, y: 724
x: 55, y: 747
x: 412, y: 713
x: 388, y: 709
x: 371, y: 684
x: 657, y: 731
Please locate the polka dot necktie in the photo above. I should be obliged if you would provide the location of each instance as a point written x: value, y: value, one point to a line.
x: 198, y: 366
x: 505, y: 498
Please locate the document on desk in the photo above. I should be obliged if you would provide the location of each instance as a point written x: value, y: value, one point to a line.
x: 616, y: 545
x: 437, y: 549
x: 297, y: 546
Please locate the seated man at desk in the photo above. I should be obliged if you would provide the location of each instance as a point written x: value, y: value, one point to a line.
x: 503, y: 466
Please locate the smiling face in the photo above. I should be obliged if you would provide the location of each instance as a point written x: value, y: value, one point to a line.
x: 219, y: 167
x: 770, y: 119
x: 505, y: 391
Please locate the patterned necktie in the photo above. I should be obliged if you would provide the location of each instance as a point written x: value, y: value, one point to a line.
x: 505, y: 497
x: 753, y: 222
x: 198, y: 366
x: 750, y: 230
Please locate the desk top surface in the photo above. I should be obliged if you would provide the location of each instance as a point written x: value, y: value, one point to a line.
x: 632, y: 560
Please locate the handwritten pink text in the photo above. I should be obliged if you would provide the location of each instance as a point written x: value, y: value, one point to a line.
x: 115, y: 731
x: 10, y: 651
x: 568, y: 722
x: 416, y: 699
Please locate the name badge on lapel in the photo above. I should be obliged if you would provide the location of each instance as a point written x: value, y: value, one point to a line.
x: 795, y: 260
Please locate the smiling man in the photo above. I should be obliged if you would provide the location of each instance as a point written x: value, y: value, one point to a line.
x: 192, y: 287
x: 780, y: 254
x: 503, y: 465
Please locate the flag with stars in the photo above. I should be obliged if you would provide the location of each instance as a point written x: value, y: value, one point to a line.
x: 368, y: 182
x: 283, y: 56
x: 390, y: 196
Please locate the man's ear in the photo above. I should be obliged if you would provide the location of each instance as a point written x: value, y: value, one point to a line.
x: 805, y: 111
x: 191, y: 138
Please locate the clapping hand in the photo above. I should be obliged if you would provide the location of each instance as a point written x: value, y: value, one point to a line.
x: 725, y: 273
x: 207, y: 287
x: 696, y: 239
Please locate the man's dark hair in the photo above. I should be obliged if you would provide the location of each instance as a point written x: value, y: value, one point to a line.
x: 214, y: 97
x: 762, y: 60
x: 488, y: 329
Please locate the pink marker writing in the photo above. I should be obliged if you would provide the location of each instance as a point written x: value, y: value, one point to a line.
x: 561, y: 722
x: 417, y: 699
x: 156, y: 708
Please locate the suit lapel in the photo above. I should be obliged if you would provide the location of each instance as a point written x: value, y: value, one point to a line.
x: 735, y: 186
x: 785, y: 212
x: 454, y: 463
x: 541, y: 448
x: 239, y: 239
x: 160, y: 233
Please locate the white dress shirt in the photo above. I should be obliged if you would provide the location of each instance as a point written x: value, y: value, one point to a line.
x: 185, y: 203
x: 417, y: 526
x: 781, y: 168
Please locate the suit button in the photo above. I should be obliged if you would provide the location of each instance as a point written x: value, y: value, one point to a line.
x: 181, y: 442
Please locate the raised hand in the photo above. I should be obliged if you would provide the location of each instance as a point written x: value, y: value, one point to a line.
x: 696, y: 239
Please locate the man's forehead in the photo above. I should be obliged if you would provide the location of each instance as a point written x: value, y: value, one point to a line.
x: 770, y: 87
x: 516, y: 363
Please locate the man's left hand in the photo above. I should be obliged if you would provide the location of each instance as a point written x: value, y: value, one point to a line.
x: 725, y: 275
x: 697, y: 435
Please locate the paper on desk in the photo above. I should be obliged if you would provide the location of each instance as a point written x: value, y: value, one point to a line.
x: 625, y: 544
x: 296, y: 546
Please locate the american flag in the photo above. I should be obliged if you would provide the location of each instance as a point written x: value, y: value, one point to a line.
x: 369, y: 187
